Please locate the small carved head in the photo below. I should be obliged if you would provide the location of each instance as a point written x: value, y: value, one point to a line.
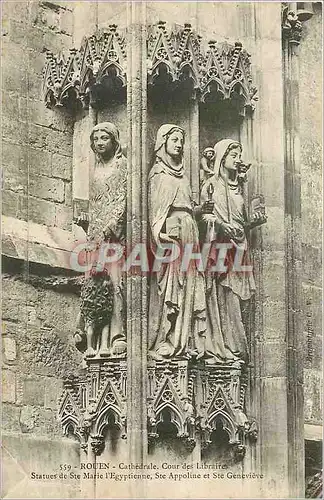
x: 209, y: 154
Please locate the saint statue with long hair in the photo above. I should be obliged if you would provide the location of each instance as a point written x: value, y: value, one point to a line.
x: 101, y: 324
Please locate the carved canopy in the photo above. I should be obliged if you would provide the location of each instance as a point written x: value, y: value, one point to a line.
x: 174, y: 56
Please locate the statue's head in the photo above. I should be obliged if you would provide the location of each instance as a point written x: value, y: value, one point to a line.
x: 105, y: 142
x: 170, y: 142
x: 209, y: 153
x: 174, y: 144
x: 227, y: 155
x: 232, y: 157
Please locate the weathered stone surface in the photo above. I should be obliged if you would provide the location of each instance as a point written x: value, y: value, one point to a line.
x: 17, y: 32
x: 41, y: 211
x: 311, y: 156
x: 312, y: 264
x: 274, y: 360
x: 273, y: 317
x: 37, y: 233
x: 14, y: 131
x: 14, y: 205
x: 47, y: 352
x: 56, y: 119
x: 16, y: 181
x: 63, y: 217
x: 46, y: 188
x: 44, y: 334
x: 8, y: 386
x: 10, y: 327
x: 85, y: 21
x: 9, y: 101
x: 10, y: 309
x: 28, y: 418
x: 313, y: 380
x: 35, y: 86
x: 13, y: 72
x: 14, y: 10
x: 24, y: 453
x: 33, y: 391
x: 68, y: 193
x: 274, y: 436
x: 39, y: 161
x: 62, y: 166
x: 13, y: 156
x: 32, y: 134
x: 112, y: 13
x: 9, y: 347
x: 53, y: 390
x: 10, y: 417
x: 66, y: 22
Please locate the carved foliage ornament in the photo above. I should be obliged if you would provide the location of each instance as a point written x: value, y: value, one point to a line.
x: 177, y: 53
x: 291, y: 26
x: 291, y: 20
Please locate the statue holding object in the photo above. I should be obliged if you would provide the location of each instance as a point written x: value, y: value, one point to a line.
x: 229, y: 224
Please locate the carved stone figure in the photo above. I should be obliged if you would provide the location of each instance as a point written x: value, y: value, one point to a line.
x: 101, y: 318
x: 207, y: 164
x: 228, y: 289
x: 177, y: 301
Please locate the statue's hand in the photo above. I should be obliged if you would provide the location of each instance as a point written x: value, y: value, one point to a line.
x: 83, y: 221
x: 258, y: 218
x: 229, y: 231
x: 207, y: 207
x: 208, y: 218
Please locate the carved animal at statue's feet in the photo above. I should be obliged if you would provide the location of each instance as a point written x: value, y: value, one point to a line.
x: 96, y: 310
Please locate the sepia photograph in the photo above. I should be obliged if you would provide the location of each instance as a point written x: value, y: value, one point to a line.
x: 161, y: 174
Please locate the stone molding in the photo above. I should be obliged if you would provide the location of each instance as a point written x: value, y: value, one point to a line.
x: 32, y: 242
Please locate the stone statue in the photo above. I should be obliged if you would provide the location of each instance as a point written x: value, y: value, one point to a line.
x: 228, y: 290
x: 101, y: 319
x: 177, y: 298
x: 207, y: 164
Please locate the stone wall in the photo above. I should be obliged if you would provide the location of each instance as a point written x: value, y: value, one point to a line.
x: 37, y: 142
x: 37, y: 323
x: 38, y: 352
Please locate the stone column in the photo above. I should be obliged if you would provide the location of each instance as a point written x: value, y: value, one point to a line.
x: 194, y: 147
x: 295, y: 402
x: 269, y: 396
x: 136, y: 234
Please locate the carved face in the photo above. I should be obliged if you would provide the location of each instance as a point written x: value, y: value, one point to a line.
x: 209, y: 155
x: 103, y: 144
x: 174, y: 144
x: 232, y: 159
